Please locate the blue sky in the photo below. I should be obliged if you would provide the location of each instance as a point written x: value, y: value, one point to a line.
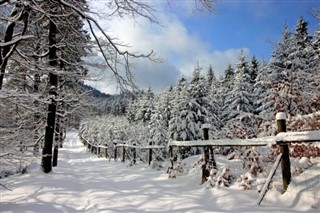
x: 186, y: 38
x: 249, y: 23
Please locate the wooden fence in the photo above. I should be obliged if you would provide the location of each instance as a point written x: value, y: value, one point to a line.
x: 282, y: 139
x: 128, y: 151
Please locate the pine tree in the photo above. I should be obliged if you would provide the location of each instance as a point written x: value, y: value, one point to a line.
x: 216, y: 106
x: 165, y: 104
x: 315, y: 67
x: 199, y: 91
x: 158, y: 124
x: 182, y: 125
x: 299, y: 72
x: 145, y: 106
x: 210, y: 76
x: 226, y: 85
x: 240, y: 102
x: 253, y: 67
x: 278, y: 69
x: 262, y: 91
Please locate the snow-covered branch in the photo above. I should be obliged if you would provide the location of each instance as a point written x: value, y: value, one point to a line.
x: 15, y: 40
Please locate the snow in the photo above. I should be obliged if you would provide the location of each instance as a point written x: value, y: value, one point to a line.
x: 281, y: 116
x: 83, y: 182
x: 266, y: 185
x: 141, y: 147
x: 263, y: 141
x: 305, y: 136
x: 294, y: 137
x: 206, y: 126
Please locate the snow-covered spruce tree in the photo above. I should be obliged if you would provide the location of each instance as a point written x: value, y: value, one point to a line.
x: 132, y: 110
x: 145, y: 106
x: 215, y: 103
x: 262, y: 91
x: 315, y: 67
x: 200, y: 104
x: 273, y: 99
x: 211, y: 78
x: 299, y: 88
x: 226, y: 85
x: 241, y: 122
x: 289, y: 72
x: 165, y: 104
x: 254, y: 67
x: 173, y: 122
x: 160, y: 117
x: 158, y: 129
x: 263, y: 103
x: 191, y: 108
x: 180, y: 125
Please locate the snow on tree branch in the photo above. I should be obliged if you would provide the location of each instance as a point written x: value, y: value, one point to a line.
x: 14, y: 41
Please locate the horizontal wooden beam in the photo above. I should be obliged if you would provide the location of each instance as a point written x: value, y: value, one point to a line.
x: 283, y: 137
x: 227, y: 142
x: 298, y: 137
x: 140, y: 147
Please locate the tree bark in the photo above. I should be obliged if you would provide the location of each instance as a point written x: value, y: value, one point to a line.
x: 285, y: 159
x: 5, y: 50
x: 46, y: 162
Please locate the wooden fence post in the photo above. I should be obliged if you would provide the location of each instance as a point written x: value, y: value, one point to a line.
x: 99, y: 151
x: 150, y: 154
x: 123, y: 154
x: 106, y: 151
x: 212, y: 160
x: 170, y: 152
x: 205, y: 173
x: 115, y: 151
x: 134, y: 154
x: 284, y: 149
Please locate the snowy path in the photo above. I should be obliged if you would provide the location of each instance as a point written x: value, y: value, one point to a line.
x: 85, y: 183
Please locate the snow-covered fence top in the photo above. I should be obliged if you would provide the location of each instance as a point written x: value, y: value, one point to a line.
x: 140, y: 147
x: 226, y: 142
x: 298, y: 137
x: 283, y: 137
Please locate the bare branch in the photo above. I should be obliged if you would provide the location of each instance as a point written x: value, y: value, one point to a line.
x: 206, y: 5
x: 5, y: 187
x: 16, y: 40
x: 112, y: 60
x: 316, y: 13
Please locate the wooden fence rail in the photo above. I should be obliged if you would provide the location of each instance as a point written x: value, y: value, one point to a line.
x: 282, y: 139
x: 99, y: 149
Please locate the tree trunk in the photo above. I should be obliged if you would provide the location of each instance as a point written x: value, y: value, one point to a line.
x: 36, y: 115
x: 5, y: 50
x: 46, y: 162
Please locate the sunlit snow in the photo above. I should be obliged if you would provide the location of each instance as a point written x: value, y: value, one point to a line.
x: 83, y: 182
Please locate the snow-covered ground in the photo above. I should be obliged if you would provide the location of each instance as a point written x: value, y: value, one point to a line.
x: 84, y: 183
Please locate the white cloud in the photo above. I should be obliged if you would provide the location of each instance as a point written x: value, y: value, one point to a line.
x: 172, y: 42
